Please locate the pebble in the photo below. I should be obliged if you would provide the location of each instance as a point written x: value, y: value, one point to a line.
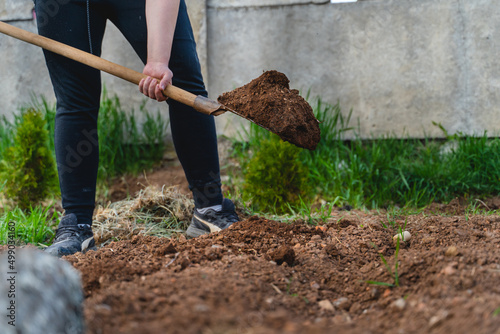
x: 406, y: 236
x: 342, y: 303
x: 438, y: 318
x: 451, y: 251
x: 316, y: 238
x: 450, y: 269
x: 398, y: 304
x: 326, y: 305
x: 375, y: 293
x: 201, y: 308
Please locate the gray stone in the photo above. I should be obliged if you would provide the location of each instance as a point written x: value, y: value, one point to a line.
x: 46, y: 293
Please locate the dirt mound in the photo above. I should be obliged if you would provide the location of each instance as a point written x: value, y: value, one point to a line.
x: 262, y: 276
x: 269, y: 102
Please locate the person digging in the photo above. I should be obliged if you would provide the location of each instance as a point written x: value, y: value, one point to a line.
x: 161, y: 35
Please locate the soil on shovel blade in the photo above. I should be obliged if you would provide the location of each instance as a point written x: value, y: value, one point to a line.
x: 269, y: 102
x: 261, y: 276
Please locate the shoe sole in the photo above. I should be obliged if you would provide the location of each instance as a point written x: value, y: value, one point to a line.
x: 193, y: 232
x: 85, y: 246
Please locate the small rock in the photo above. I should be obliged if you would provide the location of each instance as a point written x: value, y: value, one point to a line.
x: 438, y: 318
x: 342, y: 303
x: 451, y: 251
x: 201, y: 308
x: 316, y: 238
x: 375, y: 293
x: 398, y: 304
x: 103, y: 308
x: 386, y: 293
x: 450, y: 269
x: 326, y: 305
x: 428, y: 240
x: 406, y: 237
x: 164, y: 250
x: 356, y: 308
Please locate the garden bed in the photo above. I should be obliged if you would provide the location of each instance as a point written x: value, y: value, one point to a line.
x: 261, y: 276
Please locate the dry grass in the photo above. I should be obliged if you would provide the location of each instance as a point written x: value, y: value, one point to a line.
x: 164, y: 212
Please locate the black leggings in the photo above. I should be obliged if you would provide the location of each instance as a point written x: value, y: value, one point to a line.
x: 78, y: 88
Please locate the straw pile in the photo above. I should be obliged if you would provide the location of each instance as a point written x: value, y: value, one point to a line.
x: 164, y: 212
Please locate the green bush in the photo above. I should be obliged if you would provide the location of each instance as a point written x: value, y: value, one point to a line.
x: 28, y: 167
x: 387, y: 170
x: 275, y: 178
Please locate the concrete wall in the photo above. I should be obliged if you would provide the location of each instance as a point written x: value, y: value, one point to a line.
x: 399, y: 65
x: 24, y: 74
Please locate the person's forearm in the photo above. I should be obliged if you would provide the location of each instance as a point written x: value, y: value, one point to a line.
x: 161, y: 17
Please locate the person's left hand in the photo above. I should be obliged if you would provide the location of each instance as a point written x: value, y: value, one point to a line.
x: 150, y: 86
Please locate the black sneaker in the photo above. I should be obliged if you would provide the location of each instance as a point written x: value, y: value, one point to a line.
x: 212, y: 221
x: 71, y: 237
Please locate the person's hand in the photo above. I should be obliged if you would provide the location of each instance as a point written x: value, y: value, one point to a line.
x: 150, y: 86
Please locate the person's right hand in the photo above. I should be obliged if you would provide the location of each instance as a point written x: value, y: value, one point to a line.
x: 150, y: 85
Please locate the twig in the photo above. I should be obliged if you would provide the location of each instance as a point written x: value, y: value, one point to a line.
x: 172, y: 261
x: 276, y: 288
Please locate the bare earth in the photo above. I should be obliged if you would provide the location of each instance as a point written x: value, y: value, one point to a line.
x: 261, y: 276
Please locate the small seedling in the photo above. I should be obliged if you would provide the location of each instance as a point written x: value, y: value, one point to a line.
x: 496, y: 312
x: 394, y: 274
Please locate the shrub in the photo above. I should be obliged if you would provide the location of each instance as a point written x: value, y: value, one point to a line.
x: 28, y: 167
x: 275, y: 178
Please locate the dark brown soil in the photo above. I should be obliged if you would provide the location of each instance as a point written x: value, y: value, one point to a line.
x: 268, y: 101
x: 129, y: 186
x: 261, y: 276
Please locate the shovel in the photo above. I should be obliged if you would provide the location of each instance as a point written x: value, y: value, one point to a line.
x: 200, y: 103
x: 292, y: 133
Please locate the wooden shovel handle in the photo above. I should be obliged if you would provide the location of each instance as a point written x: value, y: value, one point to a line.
x: 200, y: 103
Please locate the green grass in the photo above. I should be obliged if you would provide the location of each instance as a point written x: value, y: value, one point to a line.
x: 6, y: 135
x: 34, y: 226
x: 125, y: 147
x: 387, y: 171
x: 496, y: 312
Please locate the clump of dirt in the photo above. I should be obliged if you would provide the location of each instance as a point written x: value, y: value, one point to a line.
x: 283, y: 254
x: 268, y: 101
